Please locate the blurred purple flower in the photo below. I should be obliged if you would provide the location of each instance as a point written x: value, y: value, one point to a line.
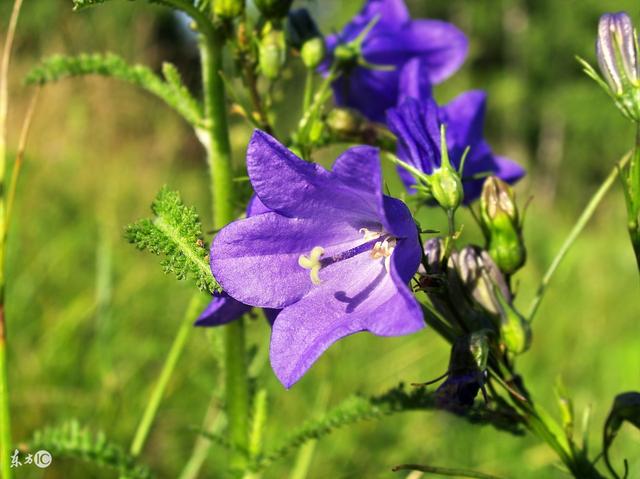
x: 393, y: 40
x: 416, y: 123
x: 334, y: 253
x: 223, y: 308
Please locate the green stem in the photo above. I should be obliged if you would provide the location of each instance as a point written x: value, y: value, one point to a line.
x: 198, y: 301
x: 311, y: 113
x: 237, y: 393
x: 216, y: 135
x: 308, y: 90
x: 223, y: 195
x: 573, y: 235
x: 5, y: 404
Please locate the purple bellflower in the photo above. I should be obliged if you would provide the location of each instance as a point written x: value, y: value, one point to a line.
x: 223, y: 308
x: 334, y: 253
x: 393, y: 40
x: 416, y: 123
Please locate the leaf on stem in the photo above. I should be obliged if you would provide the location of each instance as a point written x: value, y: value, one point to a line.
x: 171, y: 90
x: 70, y: 440
x: 175, y: 233
x: 359, y: 408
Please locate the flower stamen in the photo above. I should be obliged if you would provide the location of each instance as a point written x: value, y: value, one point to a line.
x: 312, y: 263
x: 379, y: 246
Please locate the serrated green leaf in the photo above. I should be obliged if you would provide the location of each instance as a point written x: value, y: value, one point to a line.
x: 71, y: 440
x: 175, y: 233
x: 360, y: 408
x: 172, y: 91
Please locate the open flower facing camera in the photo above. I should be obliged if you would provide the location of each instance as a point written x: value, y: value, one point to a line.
x: 374, y: 202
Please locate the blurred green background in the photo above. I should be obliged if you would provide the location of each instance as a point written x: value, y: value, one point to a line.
x: 90, y: 319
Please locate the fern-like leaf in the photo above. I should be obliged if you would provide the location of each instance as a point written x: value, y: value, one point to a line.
x: 171, y: 90
x: 175, y: 233
x: 70, y: 440
x: 359, y: 408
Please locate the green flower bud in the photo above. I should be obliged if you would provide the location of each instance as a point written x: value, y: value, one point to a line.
x: 272, y: 53
x: 228, y: 9
x: 445, y: 182
x: 313, y: 52
x: 515, y: 330
x: 502, y: 225
x: 345, y: 123
x: 273, y: 9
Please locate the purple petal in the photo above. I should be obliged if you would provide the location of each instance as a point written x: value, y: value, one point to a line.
x: 359, y: 87
x: 464, y: 118
x: 256, y: 207
x: 368, y: 299
x: 441, y: 47
x: 221, y: 310
x: 414, y: 81
x: 416, y: 126
x: 508, y: 170
x: 256, y: 259
x: 392, y: 14
x: 399, y: 222
x: 293, y: 187
x: 359, y: 168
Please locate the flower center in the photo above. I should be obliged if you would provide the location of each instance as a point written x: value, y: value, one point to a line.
x: 378, y: 244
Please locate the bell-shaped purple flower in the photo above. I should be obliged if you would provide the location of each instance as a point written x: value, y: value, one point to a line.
x: 223, y: 308
x: 393, y: 40
x: 416, y: 123
x: 334, y: 253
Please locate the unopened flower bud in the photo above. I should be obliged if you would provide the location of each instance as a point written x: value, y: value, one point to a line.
x: 445, y: 182
x: 346, y: 53
x: 272, y: 53
x: 502, y: 225
x: 345, y: 123
x: 616, y: 49
x: 273, y: 9
x: 482, y: 278
x: 433, y: 254
x: 515, y: 330
x: 228, y: 9
x: 300, y: 28
x: 313, y: 52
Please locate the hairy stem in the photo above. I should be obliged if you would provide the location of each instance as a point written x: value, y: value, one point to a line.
x: 216, y: 134
x: 223, y: 196
x: 573, y: 235
x: 5, y: 405
x: 198, y: 301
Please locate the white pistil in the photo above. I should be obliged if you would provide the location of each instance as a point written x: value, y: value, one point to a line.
x: 312, y: 263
